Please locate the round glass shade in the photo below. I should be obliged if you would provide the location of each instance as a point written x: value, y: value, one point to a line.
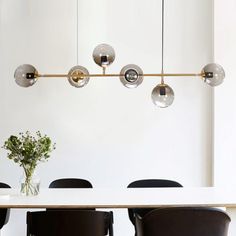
x: 131, y: 76
x: 103, y: 55
x: 25, y: 75
x: 163, y: 95
x: 76, y: 76
x: 214, y: 74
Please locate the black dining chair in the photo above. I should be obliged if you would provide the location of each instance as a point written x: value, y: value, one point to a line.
x: 71, y: 183
x: 148, y: 183
x: 71, y: 223
x: 183, y: 221
x: 4, y: 212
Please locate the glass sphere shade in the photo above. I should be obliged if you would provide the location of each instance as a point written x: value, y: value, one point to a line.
x: 131, y: 76
x: 103, y: 55
x: 214, y: 74
x: 25, y: 75
x: 76, y: 76
x: 162, y: 95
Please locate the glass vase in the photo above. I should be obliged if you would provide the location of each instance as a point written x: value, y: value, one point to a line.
x: 30, y: 183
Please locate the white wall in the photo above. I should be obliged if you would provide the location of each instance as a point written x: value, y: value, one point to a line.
x: 104, y: 132
x: 225, y: 111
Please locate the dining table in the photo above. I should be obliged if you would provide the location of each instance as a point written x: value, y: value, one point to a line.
x: 120, y: 198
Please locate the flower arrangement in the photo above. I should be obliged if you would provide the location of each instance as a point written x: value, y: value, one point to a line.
x: 27, y: 151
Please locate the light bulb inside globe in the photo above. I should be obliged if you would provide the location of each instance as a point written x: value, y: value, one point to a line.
x: 103, y: 55
x: 162, y: 95
x: 77, y: 76
x: 131, y: 76
x: 25, y: 75
x: 214, y: 74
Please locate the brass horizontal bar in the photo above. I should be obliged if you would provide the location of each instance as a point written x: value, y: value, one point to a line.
x: 173, y: 75
x: 117, y: 75
x: 52, y: 75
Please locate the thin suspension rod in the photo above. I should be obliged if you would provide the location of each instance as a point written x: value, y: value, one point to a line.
x: 162, y: 41
x: 77, y: 32
x: 117, y: 75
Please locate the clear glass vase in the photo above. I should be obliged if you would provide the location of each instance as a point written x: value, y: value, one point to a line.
x: 30, y: 183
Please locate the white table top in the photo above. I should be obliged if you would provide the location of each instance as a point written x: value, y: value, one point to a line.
x: 120, y: 198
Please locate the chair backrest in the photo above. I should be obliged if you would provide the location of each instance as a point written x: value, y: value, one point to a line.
x: 4, y: 212
x: 72, y: 223
x: 149, y: 183
x: 70, y: 183
x: 184, y: 221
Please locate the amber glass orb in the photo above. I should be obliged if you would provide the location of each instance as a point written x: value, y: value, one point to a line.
x: 77, y: 76
x: 162, y: 95
x: 25, y: 75
x: 214, y: 74
x: 103, y: 55
x: 131, y: 76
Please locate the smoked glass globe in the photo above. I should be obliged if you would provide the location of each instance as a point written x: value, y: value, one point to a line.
x: 214, y: 74
x: 77, y: 76
x: 131, y: 76
x: 162, y: 95
x: 25, y: 75
x: 103, y: 55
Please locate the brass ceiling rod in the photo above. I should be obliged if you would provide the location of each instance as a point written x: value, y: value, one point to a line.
x: 81, y: 76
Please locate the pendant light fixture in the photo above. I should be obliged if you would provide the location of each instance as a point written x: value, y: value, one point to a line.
x: 131, y: 76
x: 162, y: 94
